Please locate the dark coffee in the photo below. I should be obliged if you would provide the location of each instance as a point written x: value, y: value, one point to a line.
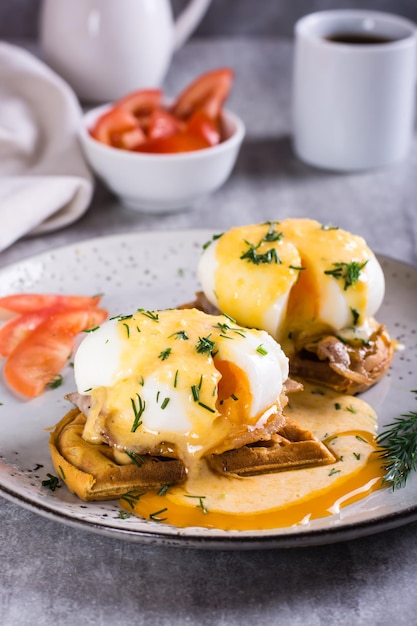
x: 359, y: 38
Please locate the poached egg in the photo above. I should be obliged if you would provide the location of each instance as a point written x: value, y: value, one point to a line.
x: 179, y: 382
x: 294, y: 276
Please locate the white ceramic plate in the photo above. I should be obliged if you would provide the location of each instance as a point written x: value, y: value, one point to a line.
x: 157, y: 270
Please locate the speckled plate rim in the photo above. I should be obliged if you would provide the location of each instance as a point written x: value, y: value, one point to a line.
x: 166, y: 264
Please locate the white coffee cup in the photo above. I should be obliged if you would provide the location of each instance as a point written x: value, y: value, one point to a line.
x: 353, y: 103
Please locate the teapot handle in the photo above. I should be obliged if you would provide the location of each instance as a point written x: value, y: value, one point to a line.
x: 188, y: 20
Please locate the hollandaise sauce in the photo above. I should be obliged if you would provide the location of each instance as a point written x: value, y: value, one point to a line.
x: 345, y: 424
x: 293, y: 276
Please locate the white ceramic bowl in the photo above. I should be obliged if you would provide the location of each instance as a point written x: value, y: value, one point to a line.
x: 157, y: 183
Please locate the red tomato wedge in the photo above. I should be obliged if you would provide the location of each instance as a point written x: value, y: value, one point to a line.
x: 179, y: 142
x: 141, y: 103
x: 118, y: 128
x: 19, y: 327
x: 38, y: 359
x: 29, y: 302
x: 163, y: 124
x: 201, y: 125
x: 140, y: 121
x: 207, y: 93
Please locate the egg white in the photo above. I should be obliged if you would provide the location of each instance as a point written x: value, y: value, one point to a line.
x: 208, y: 264
x: 105, y: 358
x: 334, y: 308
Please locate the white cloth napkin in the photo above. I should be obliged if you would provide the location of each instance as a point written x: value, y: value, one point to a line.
x: 45, y: 183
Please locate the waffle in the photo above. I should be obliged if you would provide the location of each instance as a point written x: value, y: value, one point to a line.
x: 292, y: 447
x: 92, y: 472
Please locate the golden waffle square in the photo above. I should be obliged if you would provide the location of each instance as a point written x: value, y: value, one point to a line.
x: 292, y: 447
x: 91, y: 472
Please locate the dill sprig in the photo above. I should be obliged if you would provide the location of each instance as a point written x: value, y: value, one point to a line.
x: 205, y: 345
x: 52, y: 482
x: 253, y: 256
x: 55, y: 382
x: 398, y: 445
x: 137, y: 411
x: 132, y: 496
x: 349, y: 272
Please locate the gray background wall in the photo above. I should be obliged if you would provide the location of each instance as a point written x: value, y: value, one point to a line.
x: 18, y: 18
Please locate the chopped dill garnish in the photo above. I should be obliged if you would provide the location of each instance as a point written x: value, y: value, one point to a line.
x: 180, y: 334
x: 329, y: 227
x: 200, y: 504
x: 251, y: 255
x: 349, y: 272
x: 261, y: 350
x: 155, y: 516
x: 351, y: 409
x: 91, y: 330
x: 137, y: 411
x: 195, y: 390
x: 272, y: 234
x: 164, y: 354
x: 355, y: 315
x: 136, y: 458
x: 214, y: 238
x: 56, y: 382
x: 334, y: 471
x: 165, y: 403
x: 127, y: 329
x: 163, y: 490
x: 205, y: 345
x: 131, y: 497
x: 121, y: 317
x: 124, y: 514
x: 208, y: 408
x: 357, y: 455
x: 337, y: 406
x: 176, y: 379
x: 225, y: 328
x: 52, y: 482
x: 150, y: 314
x: 359, y: 438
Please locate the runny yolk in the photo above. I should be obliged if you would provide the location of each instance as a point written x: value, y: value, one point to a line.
x: 341, y: 492
x: 234, y: 396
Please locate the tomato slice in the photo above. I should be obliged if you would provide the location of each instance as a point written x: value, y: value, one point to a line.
x: 179, y: 142
x: 118, y: 128
x: 163, y: 124
x: 19, y: 327
x: 28, y: 302
x: 141, y: 103
x: 202, y: 125
x: 208, y: 93
x: 38, y: 359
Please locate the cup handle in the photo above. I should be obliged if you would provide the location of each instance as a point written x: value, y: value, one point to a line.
x: 188, y: 20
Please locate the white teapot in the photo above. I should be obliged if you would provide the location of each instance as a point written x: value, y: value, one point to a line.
x: 106, y: 48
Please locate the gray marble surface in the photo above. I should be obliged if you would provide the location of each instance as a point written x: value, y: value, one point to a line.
x: 53, y: 574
